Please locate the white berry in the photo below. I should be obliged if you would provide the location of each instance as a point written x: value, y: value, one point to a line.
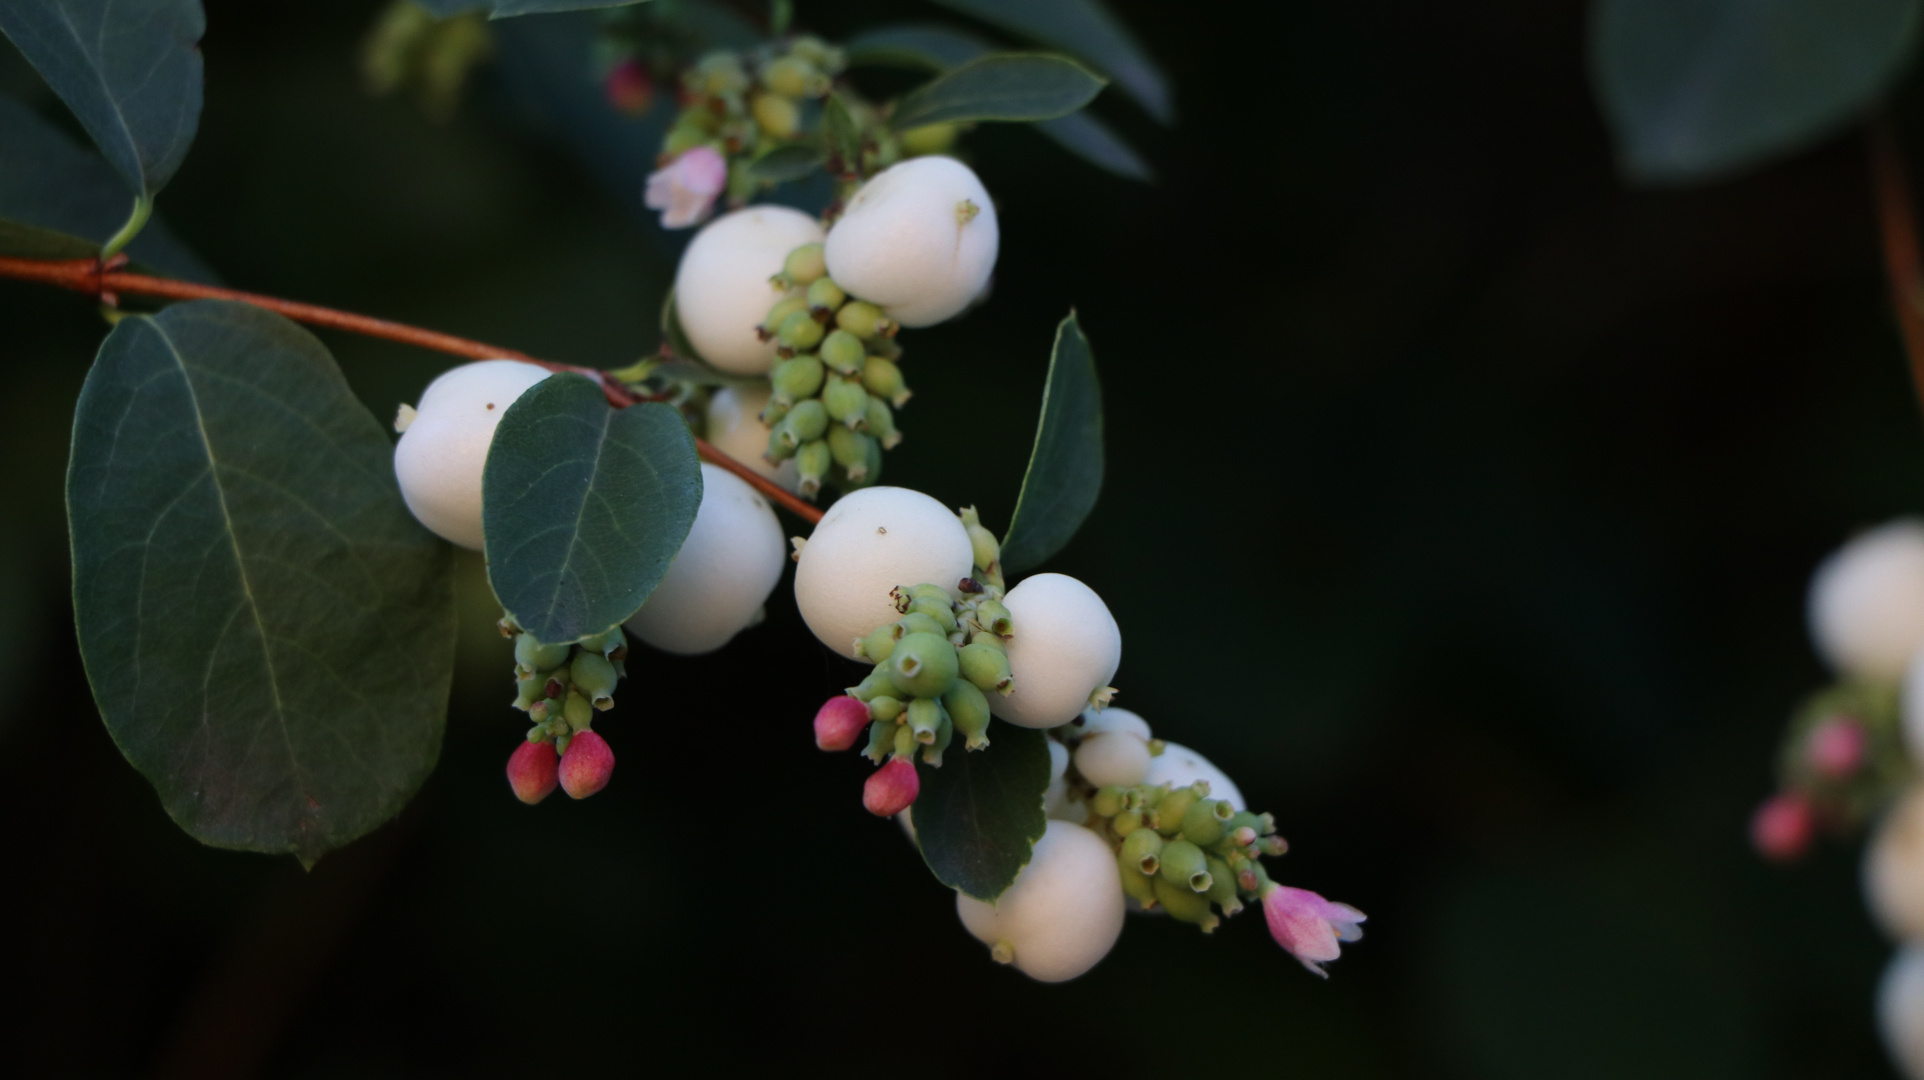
x: 734, y: 426
x: 1064, y: 647
x: 1113, y: 757
x: 722, y: 287
x: 1115, y: 719
x: 1179, y: 766
x: 1894, y: 868
x: 1063, y: 913
x: 918, y: 240
x: 1867, y: 602
x: 1900, y: 1010
x: 445, y: 443
x: 1911, y: 708
x: 868, y: 543
x: 723, y: 574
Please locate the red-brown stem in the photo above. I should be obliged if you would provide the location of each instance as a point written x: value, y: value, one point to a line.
x: 106, y: 281
x: 1898, y: 223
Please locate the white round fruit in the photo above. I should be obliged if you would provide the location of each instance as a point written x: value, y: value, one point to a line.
x: 1114, y: 719
x: 1063, y: 913
x: 722, y: 287
x: 918, y: 240
x: 445, y: 445
x: 1058, y: 788
x: 868, y: 543
x: 1911, y: 708
x: 1867, y: 602
x: 1894, y: 868
x: 1113, y: 757
x: 1179, y: 766
x: 724, y: 573
x: 1063, y: 647
x: 1900, y: 1010
x: 734, y: 426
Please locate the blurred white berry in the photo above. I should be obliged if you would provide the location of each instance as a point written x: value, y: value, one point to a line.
x: 1057, y: 800
x: 1065, y: 646
x: 1900, y: 1010
x: 722, y: 288
x: 1867, y: 602
x: 1894, y: 868
x: 1179, y: 766
x: 724, y: 573
x: 918, y: 240
x: 444, y: 443
x: 734, y: 426
x: 1115, y: 719
x: 1062, y: 915
x: 868, y: 543
x: 1113, y: 757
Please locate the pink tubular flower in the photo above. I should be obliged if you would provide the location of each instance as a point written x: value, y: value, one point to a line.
x: 587, y: 765
x: 532, y: 771
x: 1781, y: 828
x: 1835, y: 747
x: 892, y: 788
x: 1308, y: 926
x: 839, y: 722
x: 685, y: 189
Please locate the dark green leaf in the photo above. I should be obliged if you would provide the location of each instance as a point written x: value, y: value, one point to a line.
x: 268, y: 632
x: 1002, y: 86
x: 584, y: 506
x: 1065, y: 469
x: 1698, y: 89
x: 1084, y: 28
x: 839, y: 129
x: 60, y: 200
x: 501, y: 9
x: 130, y: 72
x: 1090, y: 139
x: 980, y: 814
x: 787, y: 162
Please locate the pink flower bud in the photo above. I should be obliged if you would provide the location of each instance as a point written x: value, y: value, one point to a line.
x: 1308, y: 926
x: 685, y: 189
x: 1781, y: 828
x: 630, y: 88
x: 1836, y: 747
x: 839, y: 722
x: 892, y: 788
x: 586, y: 766
x: 531, y: 771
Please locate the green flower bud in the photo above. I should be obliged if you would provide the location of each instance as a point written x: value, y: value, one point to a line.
x: 884, y: 707
x: 1138, y: 885
x: 1242, y: 819
x: 1127, y: 822
x: 795, y: 379
x: 987, y: 550
x: 1142, y: 850
x: 990, y: 615
x: 944, y: 735
x: 970, y: 711
x: 779, y: 314
x: 843, y: 352
x: 806, y: 422
x: 922, y: 665
x: 594, y: 677
x: 578, y: 712
x: 1200, y: 823
x: 1108, y: 801
x: 800, y: 332
x: 1170, y: 811
x: 880, y: 421
x: 881, y: 740
x: 533, y: 656
x: 942, y: 611
x: 779, y: 116
x: 1185, y: 864
x: 718, y: 73
x: 876, y: 647
x: 864, y: 320
x: 876, y: 684
x: 925, y: 715
x: 918, y: 623
x: 795, y: 77
x: 812, y: 461
x: 850, y: 449
x: 825, y: 296
x: 987, y: 667
x: 1222, y: 887
x: 883, y: 378
x: 1184, y: 903
x: 846, y: 402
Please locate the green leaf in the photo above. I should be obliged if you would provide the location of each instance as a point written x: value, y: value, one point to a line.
x: 790, y: 162
x: 501, y: 9
x: 979, y: 815
x: 1699, y: 89
x: 131, y: 73
x: 839, y: 130
x: 1091, y: 140
x: 1084, y: 28
x: 1065, y: 469
x: 268, y: 632
x: 584, y: 506
x: 1000, y: 86
x: 61, y: 200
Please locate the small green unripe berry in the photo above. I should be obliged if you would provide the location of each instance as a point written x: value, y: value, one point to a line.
x: 843, y: 352
x: 987, y: 667
x: 864, y: 320
x: 987, y: 550
x: 990, y: 615
x: 812, y: 460
x: 880, y: 421
x: 779, y: 314
x: 1184, y: 903
x: 935, y: 608
x: 1126, y: 822
x: 876, y: 683
x: 846, y: 401
x: 918, y: 622
x: 925, y: 715
x: 795, y: 77
x: 1184, y: 863
x: 779, y: 116
x: 578, y: 713
x: 884, y: 707
x: 969, y: 711
x: 799, y: 332
x: 922, y: 665
x: 795, y: 379
x: 825, y: 296
x: 533, y: 656
x: 780, y: 446
x: 1170, y: 811
x: 881, y: 739
x: 1142, y: 849
x: 876, y: 645
x: 804, y: 266
x: 883, y: 378
x: 905, y: 742
x: 1137, y: 885
x: 1222, y: 886
x: 851, y: 449
x: 594, y: 676
x: 806, y: 422
x: 944, y: 734
x: 1200, y: 824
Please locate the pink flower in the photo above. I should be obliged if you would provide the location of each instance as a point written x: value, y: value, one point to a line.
x: 1835, y: 747
x: 630, y: 88
x: 587, y: 765
x: 1781, y: 828
x: 839, y: 722
x: 532, y: 771
x: 1308, y: 926
x: 685, y: 189
x: 892, y: 788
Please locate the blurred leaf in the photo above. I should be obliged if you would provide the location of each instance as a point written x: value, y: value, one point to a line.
x: 979, y: 815
x: 60, y: 200
x: 1003, y: 86
x: 1088, y: 30
x: 268, y: 632
x: 131, y: 73
x: 584, y: 506
x: 1090, y: 139
x: 1696, y: 89
x: 501, y: 9
x: 788, y: 162
x: 1065, y: 469
x: 843, y: 136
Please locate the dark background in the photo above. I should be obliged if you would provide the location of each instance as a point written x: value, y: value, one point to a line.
x: 1460, y: 504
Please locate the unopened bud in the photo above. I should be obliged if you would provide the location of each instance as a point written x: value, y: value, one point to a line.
x: 532, y: 771
x: 839, y: 722
x: 922, y: 665
x: 892, y: 789
x: 1275, y: 845
x: 883, y: 378
x: 824, y: 297
x: 969, y: 711
x: 987, y: 550
x: 778, y: 115
x: 795, y: 77
x: 864, y: 320
x: 799, y: 332
x: 987, y: 667
x: 587, y: 765
x: 792, y: 380
x: 1243, y: 837
x: 1781, y: 828
x: 595, y: 677
x: 1835, y: 748
x: 846, y: 402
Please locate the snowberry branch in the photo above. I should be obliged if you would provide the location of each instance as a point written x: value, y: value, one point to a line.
x: 1898, y: 221
x: 105, y: 279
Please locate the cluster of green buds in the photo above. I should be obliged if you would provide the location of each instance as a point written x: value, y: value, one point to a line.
x: 837, y: 382
x: 745, y: 105
x: 561, y: 687
x: 1183, y: 851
